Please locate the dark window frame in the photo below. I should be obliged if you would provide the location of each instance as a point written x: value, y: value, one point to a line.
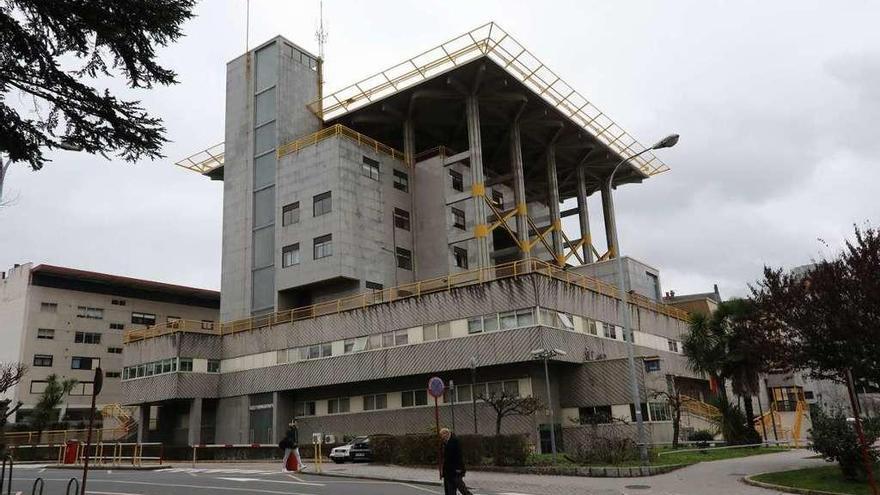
x: 461, y: 257
x: 457, y: 180
x: 404, y: 258
x: 401, y: 180
x: 325, y: 242
x: 289, y: 249
x: 292, y: 211
x: 322, y: 204
x: 459, y: 218
x: 401, y: 219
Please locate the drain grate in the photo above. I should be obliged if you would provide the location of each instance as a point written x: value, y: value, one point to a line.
x: 638, y: 487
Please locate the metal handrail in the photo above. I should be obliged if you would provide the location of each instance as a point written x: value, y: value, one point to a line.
x: 341, y: 131
x: 412, y: 289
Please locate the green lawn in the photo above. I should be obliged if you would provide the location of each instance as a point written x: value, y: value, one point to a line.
x: 825, y: 478
x: 693, y: 457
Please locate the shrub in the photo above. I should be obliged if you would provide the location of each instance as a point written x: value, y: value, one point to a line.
x: 701, y: 437
x: 836, y: 440
x: 384, y: 448
x: 734, y: 425
x: 509, y: 450
x: 422, y: 449
x: 607, y: 444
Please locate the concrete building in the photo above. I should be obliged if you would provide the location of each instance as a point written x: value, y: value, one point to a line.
x: 406, y: 226
x: 67, y: 322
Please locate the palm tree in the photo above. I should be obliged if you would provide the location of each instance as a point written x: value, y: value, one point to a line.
x: 52, y: 396
x: 66, y: 387
x: 727, y: 345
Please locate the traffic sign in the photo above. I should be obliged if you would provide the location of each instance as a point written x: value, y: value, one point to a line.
x: 436, y: 387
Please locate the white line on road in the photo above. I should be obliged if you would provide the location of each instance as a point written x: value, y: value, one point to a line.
x: 418, y: 488
x: 111, y: 493
x: 224, y: 488
x: 261, y: 480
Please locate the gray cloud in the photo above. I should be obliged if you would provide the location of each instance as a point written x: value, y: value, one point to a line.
x: 776, y: 103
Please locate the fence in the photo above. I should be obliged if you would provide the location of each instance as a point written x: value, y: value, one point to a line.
x: 62, y: 436
x: 102, y: 453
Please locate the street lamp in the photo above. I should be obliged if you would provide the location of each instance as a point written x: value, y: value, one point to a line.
x: 667, y: 142
x: 545, y: 355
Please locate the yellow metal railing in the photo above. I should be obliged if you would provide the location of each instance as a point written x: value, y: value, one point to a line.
x: 61, y: 436
x: 491, y: 41
x: 413, y: 289
x: 699, y: 408
x: 341, y: 131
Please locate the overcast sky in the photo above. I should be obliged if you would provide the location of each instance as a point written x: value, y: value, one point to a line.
x: 777, y: 104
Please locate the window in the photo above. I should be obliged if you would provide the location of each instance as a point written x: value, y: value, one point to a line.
x: 404, y: 259
x: 326, y: 349
x: 112, y: 374
x: 370, y: 168
x: 38, y: 386
x: 673, y: 345
x: 323, y: 246
x: 172, y: 319
x: 213, y: 366
x: 117, y: 326
x: 348, y: 346
x: 374, y: 402
x: 186, y: 364
x: 458, y: 219
x: 304, y: 409
x: 322, y: 204
x: 497, y: 198
x: 463, y: 393
x: 48, y: 307
x: 143, y: 318
x: 475, y: 325
x: 436, y: 331
x: 290, y: 255
x: 401, y: 337
x: 401, y: 181
x: 45, y: 333
x: 84, y: 363
x: 89, y: 312
x: 401, y: 219
x: 42, y: 360
x: 808, y: 395
x: 659, y: 411
x: 514, y: 319
x: 373, y: 285
x: 457, y: 180
x: 652, y: 365
x: 654, y: 284
x: 610, y: 332
x: 117, y: 302
x: 338, y: 406
x: 87, y: 338
x: 511, y: 388
x: 114, y: 350
x: 290, y: 214
x: 595, y: 414
x: 461, y: 257
x: 414, y: 398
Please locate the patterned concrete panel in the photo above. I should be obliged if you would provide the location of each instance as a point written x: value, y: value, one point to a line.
x: 599, y: 383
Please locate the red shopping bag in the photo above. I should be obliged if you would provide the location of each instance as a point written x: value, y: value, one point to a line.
x: 291, y: 462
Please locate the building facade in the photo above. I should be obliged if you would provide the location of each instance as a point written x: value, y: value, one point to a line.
x: 404, y: 227
x: 68, y: 322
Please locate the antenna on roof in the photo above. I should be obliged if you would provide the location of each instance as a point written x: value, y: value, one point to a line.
x: 247, y: 26
x: 321, y: 36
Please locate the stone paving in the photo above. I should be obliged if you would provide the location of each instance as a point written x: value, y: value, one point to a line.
x: 712, y: 478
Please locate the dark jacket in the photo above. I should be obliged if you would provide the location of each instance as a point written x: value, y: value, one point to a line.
x: 291, y: 439
x: 452, y: 457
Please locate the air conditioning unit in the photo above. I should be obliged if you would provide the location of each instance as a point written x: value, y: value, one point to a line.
x: 330, y: 439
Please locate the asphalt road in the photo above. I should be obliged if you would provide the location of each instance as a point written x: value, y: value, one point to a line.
x: 229, y: 481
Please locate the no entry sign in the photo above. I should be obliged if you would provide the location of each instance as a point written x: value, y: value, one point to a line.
x: 436, y: 387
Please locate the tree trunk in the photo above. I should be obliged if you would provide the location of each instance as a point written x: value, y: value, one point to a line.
x: 676, y: 426
x: 498, y: 424
x: 722, y: 387
x: 750, y: 411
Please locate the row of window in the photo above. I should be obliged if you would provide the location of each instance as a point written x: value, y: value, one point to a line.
x: 322, y: 247
x: 652, y: 411
x: 172, y: 365
x: 81, y: 388
x: 137, y: 317
x: 412, y: 398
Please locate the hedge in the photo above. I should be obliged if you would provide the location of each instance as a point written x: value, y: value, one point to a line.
x: 422, y: 449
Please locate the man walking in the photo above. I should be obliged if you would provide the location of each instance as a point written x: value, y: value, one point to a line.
x: 453, y: 465
x: 290, y: 444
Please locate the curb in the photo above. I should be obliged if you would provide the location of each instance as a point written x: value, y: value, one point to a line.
x: 782, y: 488
x: 99, y: 467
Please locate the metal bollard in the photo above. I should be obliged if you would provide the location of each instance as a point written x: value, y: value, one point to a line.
x: 4, y: 474
x: 72, y: 481
x: 37, y: 482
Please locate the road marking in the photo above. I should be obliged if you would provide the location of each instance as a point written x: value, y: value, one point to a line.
x: 295, y: 477
x: 111, y: 493
x: 261, y: 480
x: 418, y: 488
x: 176, y: 485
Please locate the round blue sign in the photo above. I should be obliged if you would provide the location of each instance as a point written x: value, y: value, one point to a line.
x: 435, y: 387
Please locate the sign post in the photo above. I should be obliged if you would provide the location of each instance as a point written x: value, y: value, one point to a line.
x: 97, y: 385
x: 435, y: 389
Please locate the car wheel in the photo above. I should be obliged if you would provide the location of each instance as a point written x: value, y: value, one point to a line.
x: 338, y: 461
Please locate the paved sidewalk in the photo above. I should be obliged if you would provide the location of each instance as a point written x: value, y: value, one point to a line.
x: 713, y: 478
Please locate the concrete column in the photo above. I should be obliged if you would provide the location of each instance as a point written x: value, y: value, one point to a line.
x: 194, y: 430
x: 519, y: 190
x: 608, y: 212
x: 409, y: 153
x: 553, y: 200
x: 584, y: 214
x: 478, y: 186
x: 143, y: 431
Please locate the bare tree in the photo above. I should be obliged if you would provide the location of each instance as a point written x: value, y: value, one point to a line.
x: 676, y: 402
x: 10, y: 375
x: 506, y: 404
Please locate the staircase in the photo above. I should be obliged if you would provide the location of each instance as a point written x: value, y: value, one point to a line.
x: 787, y: 425
x: 700, y: 409
x: 122, y: 415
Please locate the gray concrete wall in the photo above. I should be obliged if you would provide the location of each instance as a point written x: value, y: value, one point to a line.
x: 14, y: 315
x: 232, y: 421
x: 635, y: 275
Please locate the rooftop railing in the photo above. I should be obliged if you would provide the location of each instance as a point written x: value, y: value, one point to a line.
x: 343, y: 132
x: 405, y: 291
